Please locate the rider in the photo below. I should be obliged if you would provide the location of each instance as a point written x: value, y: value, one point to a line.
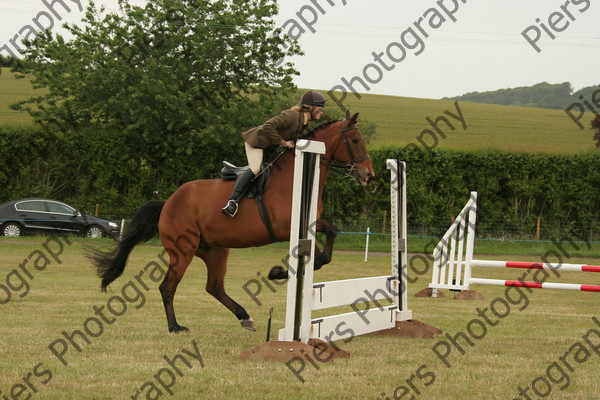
x: 281, y: 130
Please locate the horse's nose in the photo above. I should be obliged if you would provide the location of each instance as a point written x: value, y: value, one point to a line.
x: 368, y: 178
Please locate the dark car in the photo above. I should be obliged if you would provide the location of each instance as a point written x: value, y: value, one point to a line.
x: 20, y: 216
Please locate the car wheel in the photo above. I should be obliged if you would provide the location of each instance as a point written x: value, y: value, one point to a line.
x: 12, y: 229
x: 94, y: 232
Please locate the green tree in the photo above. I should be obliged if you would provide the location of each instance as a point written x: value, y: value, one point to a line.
x: 542, y: 95
x: 178, y: 79
x: 595, y: 125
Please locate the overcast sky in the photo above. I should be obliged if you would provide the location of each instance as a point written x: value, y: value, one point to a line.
x: 450, y: 49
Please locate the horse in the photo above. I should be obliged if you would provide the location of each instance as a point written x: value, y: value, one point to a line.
x: 190, y: 222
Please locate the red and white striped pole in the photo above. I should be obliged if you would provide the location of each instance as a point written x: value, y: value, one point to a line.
x: 535, y: 285
x: 536, y: 265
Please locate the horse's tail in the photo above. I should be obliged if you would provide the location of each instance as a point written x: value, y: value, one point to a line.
x: 143, y: 226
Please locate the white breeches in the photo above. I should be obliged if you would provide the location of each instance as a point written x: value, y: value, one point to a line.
x: 255, y: 157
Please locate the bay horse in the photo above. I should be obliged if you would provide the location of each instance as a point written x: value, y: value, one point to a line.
x: 190, y: 222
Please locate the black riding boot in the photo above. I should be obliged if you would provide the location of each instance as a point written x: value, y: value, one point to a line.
x: 239, y: 189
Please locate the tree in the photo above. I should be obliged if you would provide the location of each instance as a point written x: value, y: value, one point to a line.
x: 8, y: 61
x: 543, y: 95
x: 178, y: 79
x: 595, y: 124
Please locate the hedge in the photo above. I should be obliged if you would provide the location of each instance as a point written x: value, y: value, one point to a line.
x: 515, y: 189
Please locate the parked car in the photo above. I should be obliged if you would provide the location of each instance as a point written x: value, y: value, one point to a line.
x: 27, y: 215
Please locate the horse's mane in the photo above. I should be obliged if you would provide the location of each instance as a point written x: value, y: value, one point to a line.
x: 317, y: 128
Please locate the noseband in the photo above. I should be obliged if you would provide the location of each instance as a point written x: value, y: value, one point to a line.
x: 348, y: 170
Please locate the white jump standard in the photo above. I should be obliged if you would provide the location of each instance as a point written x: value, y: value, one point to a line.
x: 301, y: 262
x: 303, y: 334
x: 453, y: 261
x: 394, y: 319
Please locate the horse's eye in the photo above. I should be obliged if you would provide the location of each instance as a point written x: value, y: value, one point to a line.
x: 355, y: 141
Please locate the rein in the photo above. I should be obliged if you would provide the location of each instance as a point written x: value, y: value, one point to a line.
x: 269, y: 165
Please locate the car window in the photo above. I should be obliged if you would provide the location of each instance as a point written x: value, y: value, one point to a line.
x: 60, y: 208
x: 32, y: 205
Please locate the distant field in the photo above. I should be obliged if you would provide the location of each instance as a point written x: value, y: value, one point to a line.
x: 13, y: 90
x: 400, y: 120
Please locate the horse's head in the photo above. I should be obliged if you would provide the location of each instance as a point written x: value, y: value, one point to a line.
x: 346, y: 150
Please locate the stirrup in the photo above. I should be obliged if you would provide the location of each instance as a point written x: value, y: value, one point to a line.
x: 230, y: 208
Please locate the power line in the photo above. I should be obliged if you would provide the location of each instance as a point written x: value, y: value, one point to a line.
x: 504, y: 37
x: 450, y: 31
x: 462, y: 39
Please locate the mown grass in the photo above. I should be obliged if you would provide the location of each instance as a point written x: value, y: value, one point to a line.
x: 540, y: 328
x: 401, y: 120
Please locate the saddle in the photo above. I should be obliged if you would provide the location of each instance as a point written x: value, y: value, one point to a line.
x: 256, y: 189
x: 259, y: 185
x: 231, y: 172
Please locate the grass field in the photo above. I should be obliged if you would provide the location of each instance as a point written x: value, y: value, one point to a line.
x: 538, y: 341
x: 13, y: 90
x: 401, y: 120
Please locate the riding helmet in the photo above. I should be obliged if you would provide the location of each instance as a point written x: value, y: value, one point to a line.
x: 313, y: 98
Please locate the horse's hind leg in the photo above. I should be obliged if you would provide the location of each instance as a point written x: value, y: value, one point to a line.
x: 181, y: 254
x: 321, y: 257
x: 216, y: 264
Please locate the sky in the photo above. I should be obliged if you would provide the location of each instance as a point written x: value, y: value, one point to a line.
x: 411, y: 48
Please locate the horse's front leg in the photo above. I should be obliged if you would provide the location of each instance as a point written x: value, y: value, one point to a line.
x: 321, y: 257
x: 324, y: 257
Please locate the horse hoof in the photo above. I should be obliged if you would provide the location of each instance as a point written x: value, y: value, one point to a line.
x: 277, y: 272
x: 179, y: 329
x: 248, y: 324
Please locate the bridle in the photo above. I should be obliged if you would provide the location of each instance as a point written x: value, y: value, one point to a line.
x: 348, y: 170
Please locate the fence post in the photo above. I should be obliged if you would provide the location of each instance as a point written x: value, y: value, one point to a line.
x: 367, y: 245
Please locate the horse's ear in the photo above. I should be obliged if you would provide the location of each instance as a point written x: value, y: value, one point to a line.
x: 353, y: 119
x: 347, y: 114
